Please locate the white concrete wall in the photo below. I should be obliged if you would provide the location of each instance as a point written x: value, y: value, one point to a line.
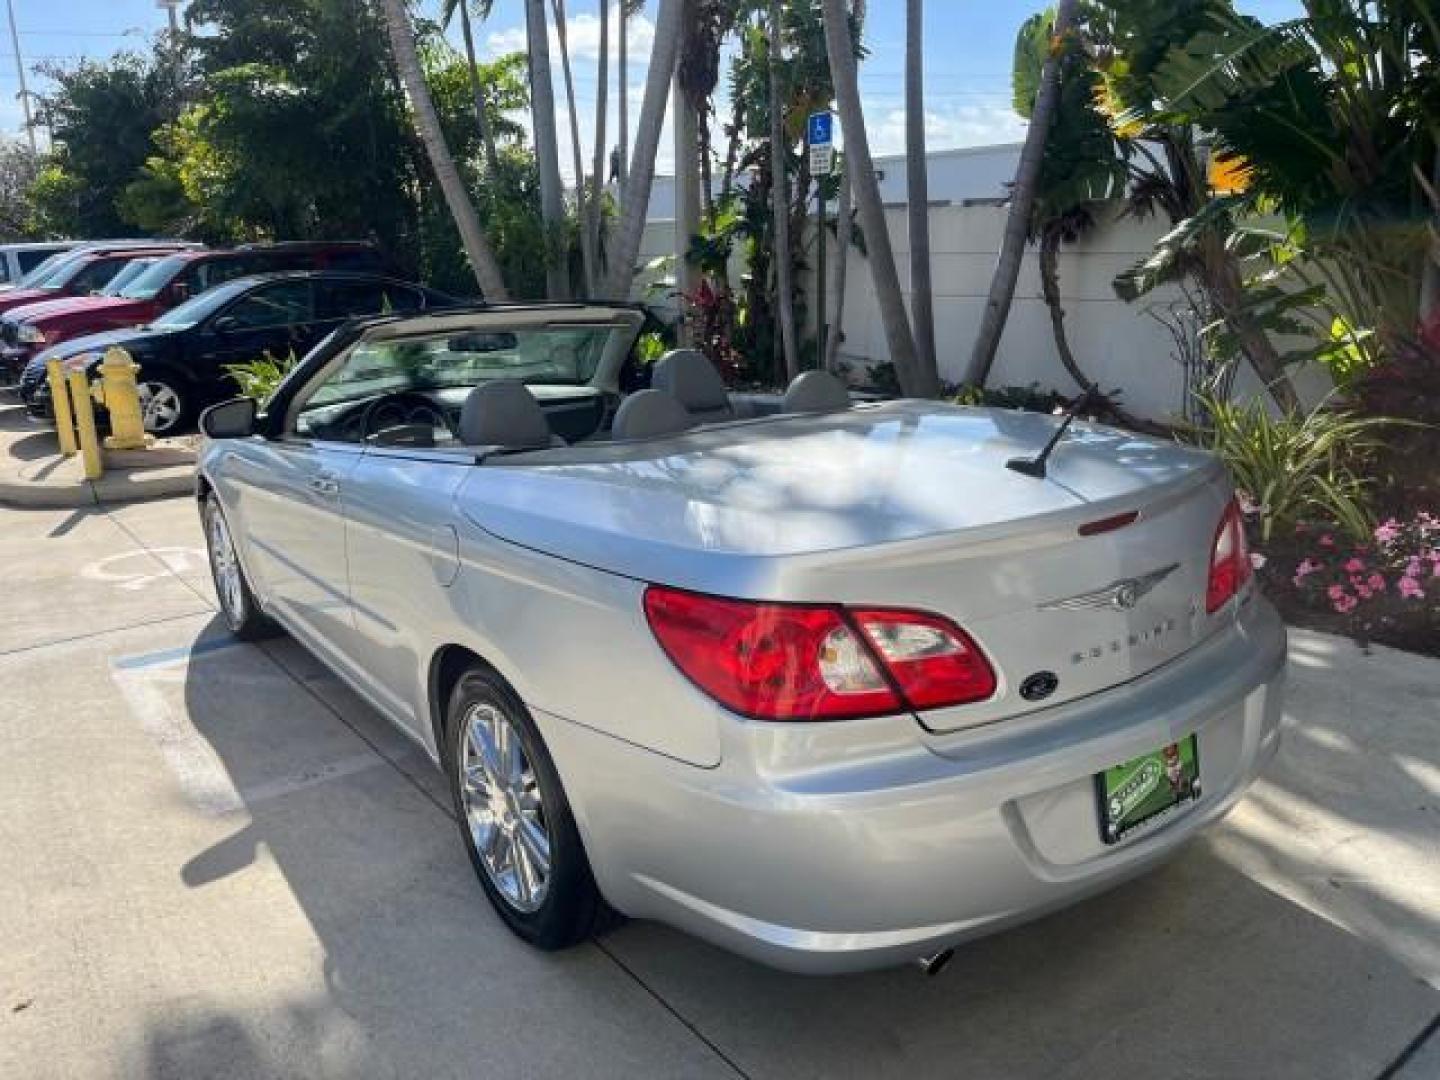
x: 1121, y: 346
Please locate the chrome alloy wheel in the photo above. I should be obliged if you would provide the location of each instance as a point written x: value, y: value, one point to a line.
x: 230, y: 584
x: 159, y: 406
x: 504, y: 808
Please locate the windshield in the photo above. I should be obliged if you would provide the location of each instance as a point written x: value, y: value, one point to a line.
x: 33, y: 279
x: 539, y: 356
x: 147, y: 285
x: 129, y: 273
x: 197, y: 310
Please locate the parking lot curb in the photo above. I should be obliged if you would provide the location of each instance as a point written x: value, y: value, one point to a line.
x: 33, y: 475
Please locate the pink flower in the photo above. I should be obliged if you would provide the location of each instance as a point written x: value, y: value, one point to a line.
x: 1327, y: 540
x: 1346, y: 604
x: 1376, y: 582
x: 1387, y: 532
x: 1413, y: 567
x: 1306, y: 568
x: 1336, y: 592
x: 1354, y: 566
x: 1411, y: 589
x: 1257, y: 560
x: 1365, y: 591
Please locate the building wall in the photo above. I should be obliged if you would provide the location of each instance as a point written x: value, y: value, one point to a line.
x: 1121, y: 346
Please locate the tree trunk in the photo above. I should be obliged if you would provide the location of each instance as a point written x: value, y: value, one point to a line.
x: 780, y: 206
x: 687, y: 204
x: 922, y: 293
x: 597, y: 171
x: 840, y: 44
x: 427, y: 126
x: 623, y: 78
x: 838, y: 275
x: 482, y: 122
x: 1227, y: 290
x: 587, y: 253
x: 1022, y: 199
x: 1050, y: 288
x: 547, y: 151
x: 668, y: 25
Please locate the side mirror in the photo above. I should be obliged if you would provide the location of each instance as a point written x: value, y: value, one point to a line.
x: 226, y: 324
x: 233, y: 419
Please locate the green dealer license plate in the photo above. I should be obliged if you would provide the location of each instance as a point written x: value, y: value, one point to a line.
x: 1144, y: 789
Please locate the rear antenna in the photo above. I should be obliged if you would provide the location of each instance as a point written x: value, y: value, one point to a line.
x: 1036, y: 466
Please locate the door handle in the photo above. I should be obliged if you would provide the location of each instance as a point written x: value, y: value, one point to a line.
x: 324, y: 485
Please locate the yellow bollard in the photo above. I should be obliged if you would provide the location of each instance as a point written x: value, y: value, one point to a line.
x: 85, y: 424
x: 120, y: 394
x: 60, y: 402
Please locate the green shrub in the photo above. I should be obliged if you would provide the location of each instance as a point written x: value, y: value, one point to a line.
x: 258, y: 378
x: 1311, y: 466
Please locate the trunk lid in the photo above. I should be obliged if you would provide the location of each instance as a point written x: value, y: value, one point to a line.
x: 907, y: 504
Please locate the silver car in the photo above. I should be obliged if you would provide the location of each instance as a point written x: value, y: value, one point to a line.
x: 833, y: 685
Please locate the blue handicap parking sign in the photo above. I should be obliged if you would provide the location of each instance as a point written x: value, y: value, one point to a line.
x: 822, y: 129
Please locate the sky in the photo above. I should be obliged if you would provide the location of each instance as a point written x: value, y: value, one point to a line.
x: 967, y: 60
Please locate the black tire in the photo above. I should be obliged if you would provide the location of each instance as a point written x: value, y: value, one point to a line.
x: 572, y: 910
x: 238, y: 608
x: 177, y: 418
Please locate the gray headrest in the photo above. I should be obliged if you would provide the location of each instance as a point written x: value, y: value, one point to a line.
x: 506, y: 414
x: 650, y: 414
x: 690, y: 378
x: 814, y: 392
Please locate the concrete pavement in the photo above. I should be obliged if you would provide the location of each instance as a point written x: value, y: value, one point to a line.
x: 220, y: 863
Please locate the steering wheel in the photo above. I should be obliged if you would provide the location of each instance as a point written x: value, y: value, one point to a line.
x: 404, y: 408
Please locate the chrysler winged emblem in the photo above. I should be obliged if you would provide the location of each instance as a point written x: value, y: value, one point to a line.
x: 1121, y: 595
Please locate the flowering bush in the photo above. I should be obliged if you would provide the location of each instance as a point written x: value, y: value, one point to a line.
x: 1398, y: 569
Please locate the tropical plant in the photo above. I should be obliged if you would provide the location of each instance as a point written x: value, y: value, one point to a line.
x: 780, y: 195
x: 635, y: 198
x: 1022, y: 199
x: 917, y: 182
x: 448, y: 10
x: 840, y: 38
x: 547, y: 147
x: 1081, y: 169
x: 1312, y: 466
x: 587, y: 251
x: 258, y: 378
x: 427, y: 126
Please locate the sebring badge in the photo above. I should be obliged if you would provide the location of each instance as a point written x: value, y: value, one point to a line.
x: 1121, y: 595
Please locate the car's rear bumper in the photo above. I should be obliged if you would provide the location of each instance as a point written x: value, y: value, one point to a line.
x: 908, y: 843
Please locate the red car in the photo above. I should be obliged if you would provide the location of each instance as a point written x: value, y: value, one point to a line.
x: 79, y: 275
x: 26, y: 329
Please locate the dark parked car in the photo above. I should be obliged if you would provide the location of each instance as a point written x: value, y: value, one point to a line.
x: 171, y: 281
x: 184, y: 354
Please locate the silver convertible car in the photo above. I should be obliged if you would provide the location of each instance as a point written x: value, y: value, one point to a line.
x: 835, y: 685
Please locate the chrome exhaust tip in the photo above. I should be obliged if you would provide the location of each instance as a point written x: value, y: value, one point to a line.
x: 933, y: 965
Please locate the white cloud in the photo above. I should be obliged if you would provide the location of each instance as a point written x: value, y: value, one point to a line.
x: 948, y: 126
x: 583, y: 33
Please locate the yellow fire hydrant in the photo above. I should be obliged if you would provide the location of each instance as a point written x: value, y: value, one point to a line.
x: 119, y: 391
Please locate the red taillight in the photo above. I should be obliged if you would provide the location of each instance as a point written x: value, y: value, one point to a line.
x: 816, y: 662
x: 1230, y: 565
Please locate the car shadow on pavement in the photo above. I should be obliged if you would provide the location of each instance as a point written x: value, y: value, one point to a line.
x: 1204, y: 968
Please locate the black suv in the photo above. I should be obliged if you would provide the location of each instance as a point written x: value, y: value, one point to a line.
x: 183, y: 354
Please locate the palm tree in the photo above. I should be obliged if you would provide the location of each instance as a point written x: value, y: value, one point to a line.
x: 1080, y: 171
x: 592, y: 224
x: 587, y: 254
x: 780, y: 199
x: 547, y: 152
x: 915, y: 379
x: 448, y: 10
x: 1022, y: 199
x: 427, y: 126
x: 922, y: 294
x: 669, y: 25
x: 840, y: 271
